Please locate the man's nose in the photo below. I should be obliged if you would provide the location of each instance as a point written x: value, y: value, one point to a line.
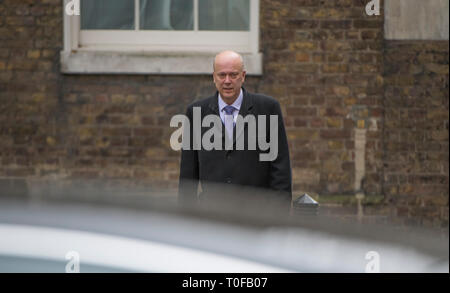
x: 227, y: 79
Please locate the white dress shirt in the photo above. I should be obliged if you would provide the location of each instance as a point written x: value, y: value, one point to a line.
x: 237, y: 105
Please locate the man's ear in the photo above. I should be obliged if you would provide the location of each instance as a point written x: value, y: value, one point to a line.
x: 243, y: 75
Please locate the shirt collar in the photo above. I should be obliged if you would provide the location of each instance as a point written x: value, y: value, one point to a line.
x: 237, y: 104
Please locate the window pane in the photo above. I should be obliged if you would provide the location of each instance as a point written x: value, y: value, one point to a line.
x: 227, y: 15
x: 167, y: 14
x: 107, y: 14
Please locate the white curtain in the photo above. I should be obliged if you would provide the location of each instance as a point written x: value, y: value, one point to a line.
x: 165, y: 14
x: 224, y: 15
x: 107, y: 14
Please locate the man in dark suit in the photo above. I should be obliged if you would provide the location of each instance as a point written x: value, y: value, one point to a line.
x: 237, y: 173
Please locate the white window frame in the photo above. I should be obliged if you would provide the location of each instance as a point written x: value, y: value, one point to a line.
x: 159, y: 52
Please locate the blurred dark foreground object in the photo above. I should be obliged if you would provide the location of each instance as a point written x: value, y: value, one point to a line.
x: 120, y: 229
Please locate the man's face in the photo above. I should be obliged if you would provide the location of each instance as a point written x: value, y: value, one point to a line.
x: 228, y: 77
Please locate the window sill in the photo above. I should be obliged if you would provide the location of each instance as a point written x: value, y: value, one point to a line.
x: 103, y: 62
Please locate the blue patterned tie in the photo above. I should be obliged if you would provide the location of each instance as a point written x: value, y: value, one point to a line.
x: 229, y: 120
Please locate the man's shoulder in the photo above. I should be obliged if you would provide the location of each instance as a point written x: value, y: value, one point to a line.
x: 204, y: 102
x: 263, y: 99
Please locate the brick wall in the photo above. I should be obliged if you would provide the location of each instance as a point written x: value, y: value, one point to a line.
x: 30, y: 40
x: 416, y: 128
x: 323, y: 60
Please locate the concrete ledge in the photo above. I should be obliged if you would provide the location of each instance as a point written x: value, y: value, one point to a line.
x: 95, y: 62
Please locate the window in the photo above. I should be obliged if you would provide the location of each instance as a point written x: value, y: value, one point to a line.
x: 231, y: 15
x: 159, y: 36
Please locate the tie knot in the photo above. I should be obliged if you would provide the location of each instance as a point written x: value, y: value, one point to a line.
x: 229, y: 110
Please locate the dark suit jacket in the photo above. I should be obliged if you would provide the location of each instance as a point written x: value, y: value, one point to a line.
x: 225, y: 173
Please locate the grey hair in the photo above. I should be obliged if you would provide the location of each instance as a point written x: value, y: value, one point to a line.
x: 239, y: 55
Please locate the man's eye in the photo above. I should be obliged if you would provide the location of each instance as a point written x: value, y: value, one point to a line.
x: 233, y: 75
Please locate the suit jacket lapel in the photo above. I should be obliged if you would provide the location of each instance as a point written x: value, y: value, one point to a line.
x: 214, y: 109
x: 246, y: 108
